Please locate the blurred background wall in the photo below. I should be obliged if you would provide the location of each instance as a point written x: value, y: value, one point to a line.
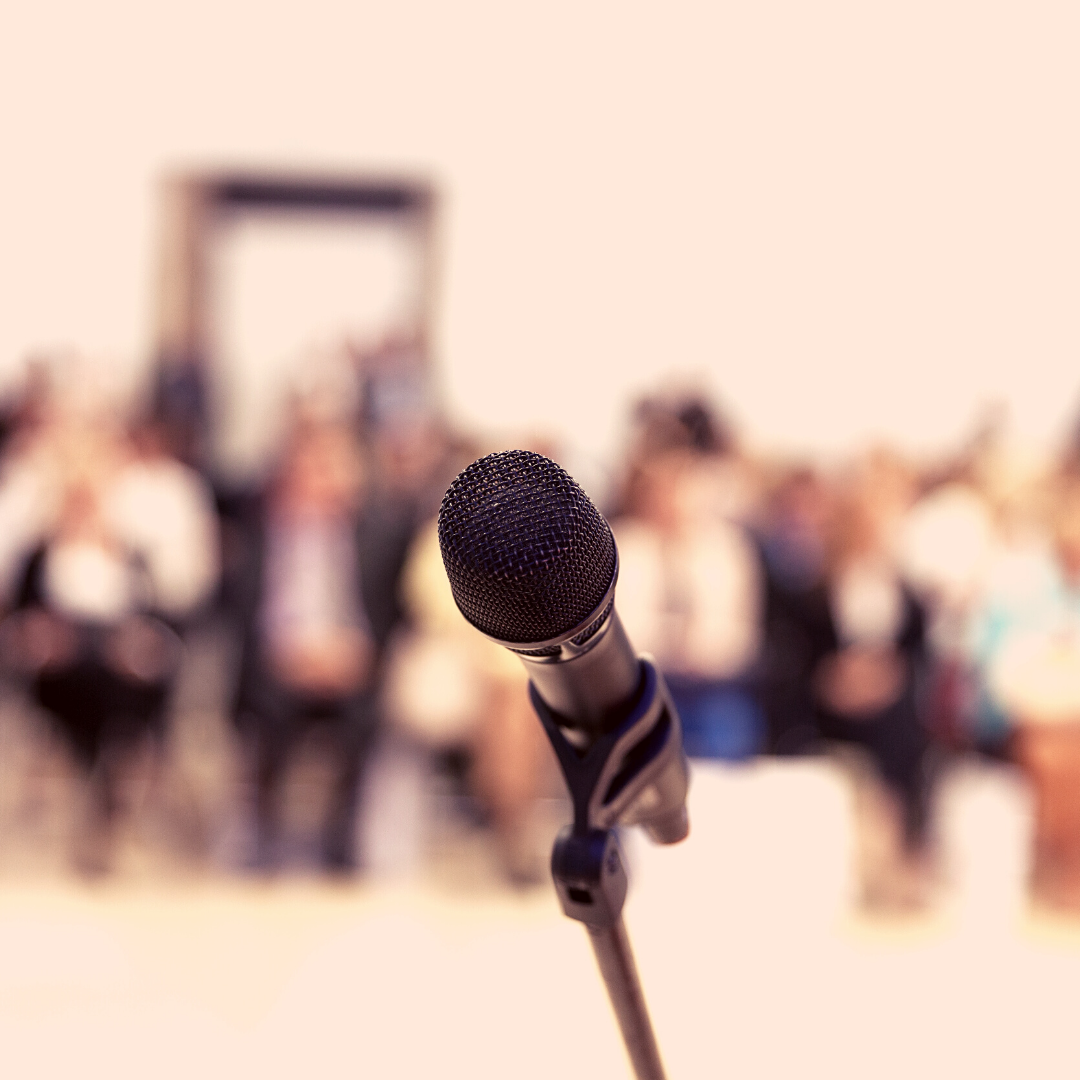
x: 872, y: 207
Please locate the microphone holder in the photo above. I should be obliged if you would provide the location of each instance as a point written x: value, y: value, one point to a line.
x: 633, y: 775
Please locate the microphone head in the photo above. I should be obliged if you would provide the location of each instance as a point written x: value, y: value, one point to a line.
x: 528, y: 555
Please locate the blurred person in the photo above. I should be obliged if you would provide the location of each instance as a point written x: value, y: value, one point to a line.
x: 1026, y: 637
x: 689, y: 581
x: 869, y: 687
x: 947, y: 544
x: 797, y: 625
x: 314, y: 558
x: 107, y: 547
x: 413, y: 459
x: 313, y: 569
x: 413, y: 462
x: 973, y: 528
x: 845, y: 658
x: 450, y: 688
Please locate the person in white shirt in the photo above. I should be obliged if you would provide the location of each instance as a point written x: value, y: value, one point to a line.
x: 107, y: 546
x: 690, y: 593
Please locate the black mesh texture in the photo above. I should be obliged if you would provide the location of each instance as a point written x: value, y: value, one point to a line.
x: 528, y: 555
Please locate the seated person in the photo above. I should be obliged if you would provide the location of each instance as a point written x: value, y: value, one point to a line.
x: 845, y: 657
x: 1026, y: 636
x: 310, y: 657
x: 108, y: 546
x: 689, y: 594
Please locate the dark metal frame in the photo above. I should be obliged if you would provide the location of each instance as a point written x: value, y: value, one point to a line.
x: 195, y: 207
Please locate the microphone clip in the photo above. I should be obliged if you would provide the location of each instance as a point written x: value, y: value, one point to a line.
x: 635, y: 774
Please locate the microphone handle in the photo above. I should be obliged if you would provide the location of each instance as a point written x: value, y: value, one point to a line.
x: 593, y: 691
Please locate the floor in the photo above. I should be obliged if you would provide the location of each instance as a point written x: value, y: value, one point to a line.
x: 753, y: 959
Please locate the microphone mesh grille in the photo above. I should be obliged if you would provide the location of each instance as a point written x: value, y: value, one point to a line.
x: 528, y: 555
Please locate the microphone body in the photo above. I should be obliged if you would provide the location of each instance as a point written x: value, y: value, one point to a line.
x: 594, y: 687
x: 589, y: 674
x: 533, y: 565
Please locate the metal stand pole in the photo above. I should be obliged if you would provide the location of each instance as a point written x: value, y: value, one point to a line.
x: 616, y: 961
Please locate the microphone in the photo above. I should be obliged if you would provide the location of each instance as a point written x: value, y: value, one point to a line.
x: 533, y: 565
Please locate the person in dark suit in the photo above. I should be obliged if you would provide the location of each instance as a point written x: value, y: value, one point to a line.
x: 845, y: 656
x: 314, y: 590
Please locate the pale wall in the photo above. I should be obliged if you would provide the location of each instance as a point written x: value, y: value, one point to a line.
x: 855, y: 218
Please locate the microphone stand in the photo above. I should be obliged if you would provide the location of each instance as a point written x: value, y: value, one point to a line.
x: 594, y: 861
x: 623, y: 777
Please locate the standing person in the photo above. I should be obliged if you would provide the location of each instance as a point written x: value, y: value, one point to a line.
x: 310, y: 656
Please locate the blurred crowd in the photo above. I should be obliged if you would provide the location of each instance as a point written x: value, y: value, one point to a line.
x: 895, y: 614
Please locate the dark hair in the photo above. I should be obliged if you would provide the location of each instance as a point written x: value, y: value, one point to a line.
x: 687, y: 423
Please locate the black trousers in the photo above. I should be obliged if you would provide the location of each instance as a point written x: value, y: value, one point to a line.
x: 102, y: 715
x: 899, y: 744
x: 97, y: 710
x: 274, y: 721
